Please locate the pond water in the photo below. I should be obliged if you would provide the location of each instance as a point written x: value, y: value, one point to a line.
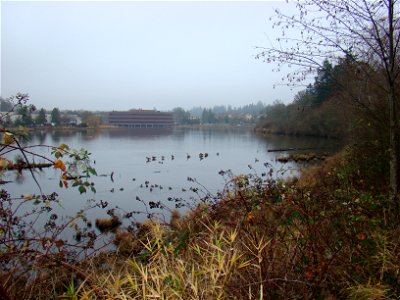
x: 151, y: 165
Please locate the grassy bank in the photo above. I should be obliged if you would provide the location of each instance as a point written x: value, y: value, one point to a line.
x: 327, y: 235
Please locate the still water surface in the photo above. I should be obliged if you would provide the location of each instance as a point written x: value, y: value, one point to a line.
x: 174, y: 156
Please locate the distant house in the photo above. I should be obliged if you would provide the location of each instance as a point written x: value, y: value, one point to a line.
x: 248, y: 117
x: 74, y: 119
x: 141, y: 118
x: 48, y: 117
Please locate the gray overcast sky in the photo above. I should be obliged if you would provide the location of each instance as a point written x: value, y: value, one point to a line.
x: 119, y: 55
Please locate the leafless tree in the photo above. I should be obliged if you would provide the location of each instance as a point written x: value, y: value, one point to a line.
x: 366, y: 32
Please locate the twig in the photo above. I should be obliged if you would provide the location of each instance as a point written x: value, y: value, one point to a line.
x: 3, y: 293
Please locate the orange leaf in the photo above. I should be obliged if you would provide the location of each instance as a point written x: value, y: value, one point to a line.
x: 58, y: 164
x: 308, y: 274
x: 250, y: 216
x: 361, y: 236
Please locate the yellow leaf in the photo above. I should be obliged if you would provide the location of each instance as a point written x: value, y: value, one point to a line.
x: 28, y: 196
x: 8, y: 138
x: 4, y: 163
x: 63, y: 147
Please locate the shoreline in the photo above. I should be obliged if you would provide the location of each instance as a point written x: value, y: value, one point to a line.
x: 106, y: 126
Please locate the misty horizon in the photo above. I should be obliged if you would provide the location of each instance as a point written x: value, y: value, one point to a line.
x: 108, y: 56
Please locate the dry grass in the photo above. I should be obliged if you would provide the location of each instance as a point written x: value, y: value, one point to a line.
x: 202, y: 269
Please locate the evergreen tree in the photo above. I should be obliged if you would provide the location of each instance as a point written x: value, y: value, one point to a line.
x: 41, y: 118
x: 25, y: 113
x: 324, y: 83
x: 55, y: 116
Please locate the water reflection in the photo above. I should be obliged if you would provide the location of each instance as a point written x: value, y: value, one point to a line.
x: 40, y: 136
x: 138, y: 133
x: 310, y: 144
x: 154, y: 165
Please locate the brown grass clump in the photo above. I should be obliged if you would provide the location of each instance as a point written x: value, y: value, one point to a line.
x: 108, y: 224
x: 301, y: 157
x: 175, y: 221
x: 131, y: 243
x: 324, y: 174
x: 367, y: 292
x: 126, y: 243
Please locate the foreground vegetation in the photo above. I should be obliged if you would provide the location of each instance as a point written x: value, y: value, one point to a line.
x: 326, y: 235
x: 265, y: 240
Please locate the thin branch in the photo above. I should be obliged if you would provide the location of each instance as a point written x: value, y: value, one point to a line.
x: 30, y: 169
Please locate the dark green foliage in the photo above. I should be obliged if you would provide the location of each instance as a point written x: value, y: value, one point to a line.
x: 41, y: 117
x: 182, y: 117
x: 25, y: 115
x: 324, y: 85
x: 56, y: 116
x: 208, y: 117
x: 219, y: 114
x: 315, y: 111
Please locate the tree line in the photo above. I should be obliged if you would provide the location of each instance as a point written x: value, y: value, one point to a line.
x: 317, y: 110
x: 219, y: 114
x: 30, y: 116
